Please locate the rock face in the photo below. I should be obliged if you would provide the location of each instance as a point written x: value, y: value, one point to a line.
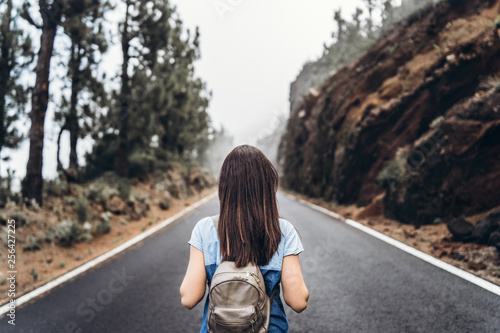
x: 417, y: 117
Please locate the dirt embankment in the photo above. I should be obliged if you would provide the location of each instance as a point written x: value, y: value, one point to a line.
x: 80, y: 222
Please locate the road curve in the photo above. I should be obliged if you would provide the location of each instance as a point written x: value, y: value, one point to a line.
x: 357, y: 284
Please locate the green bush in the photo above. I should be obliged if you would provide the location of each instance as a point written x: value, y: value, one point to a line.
x: 81, y: 208
x: 103, y: 227
x: 436, y: 122
x: 165, y: 204
x: 392, y: 171
x: 50, y: 235
x: 495, y: 23
x: 20, y: 218
x: 100, y: 193
x: 68, y: 232
x: 124, y: 188
x: 142, y: 197
x: 33, y: 273
x: 86, y: 237
x: 55, y: 187
x: 69, y: 201
x: 141, y: 164
x: 32, y: 244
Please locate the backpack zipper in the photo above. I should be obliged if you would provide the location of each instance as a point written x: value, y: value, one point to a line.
x: 246, y: 276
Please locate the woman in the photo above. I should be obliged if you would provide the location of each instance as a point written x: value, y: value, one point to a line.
x: 249, y: 231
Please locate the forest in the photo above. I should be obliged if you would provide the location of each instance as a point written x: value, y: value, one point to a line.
x: 148, y: 115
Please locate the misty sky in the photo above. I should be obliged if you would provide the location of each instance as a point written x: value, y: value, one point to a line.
x: 250, y: 53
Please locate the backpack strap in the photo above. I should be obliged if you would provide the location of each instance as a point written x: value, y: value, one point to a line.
x: 275, y: 291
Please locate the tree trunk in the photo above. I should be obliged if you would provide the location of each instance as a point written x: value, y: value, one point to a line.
x: 5, y: 69
x: 32, y: 184
x: 72, y: 119
x: 59, y: 164
x: 121, y: 157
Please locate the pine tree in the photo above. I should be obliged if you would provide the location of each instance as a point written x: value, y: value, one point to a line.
x: 371, y: 5
x: 161, y: 104
x: 15, y: 54
x: 121, y: 155
x: 83, y: 24
x: 337, y: 17
x: 51, y: 12
x: 387, y: 13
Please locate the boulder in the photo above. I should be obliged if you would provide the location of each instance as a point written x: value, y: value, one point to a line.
x: 460, y: 228
x: 494, y: 217
x: 483, y: 230
x: 494, y: 239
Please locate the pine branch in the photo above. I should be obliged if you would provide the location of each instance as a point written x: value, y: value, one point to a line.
x: 26, y: 15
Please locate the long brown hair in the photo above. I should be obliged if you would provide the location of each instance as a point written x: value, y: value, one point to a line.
x: 249, y: 230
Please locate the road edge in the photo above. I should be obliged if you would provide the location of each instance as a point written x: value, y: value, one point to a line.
x: 487, y: 285
x: 105, y: 256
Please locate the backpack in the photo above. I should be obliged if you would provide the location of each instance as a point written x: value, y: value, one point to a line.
x: 237, y: 299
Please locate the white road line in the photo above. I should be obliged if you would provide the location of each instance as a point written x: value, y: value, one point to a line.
x: 495, y: 289
x: 94, y: 262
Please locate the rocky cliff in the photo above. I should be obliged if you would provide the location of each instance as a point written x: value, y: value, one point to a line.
x: 417, y: 118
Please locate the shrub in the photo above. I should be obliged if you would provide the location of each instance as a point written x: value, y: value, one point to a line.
x: 436, y: 122
x: 494, y: 82
x: 50, y: 235
x: 495, y: 23
x: 103, y: 227
x: 392, y: 171
x: 86, y: 237
x: 20, y: 218
x: 165, y: 204
x: 33, y: 273
x: 81, y: 208
x: 68, y: 232
x: 124, y: 188
x: 32, y: 244
x: 69, y: 201
x: 142, y: 197
x: 55, y: 187
x: 100, y: 193
x: 141, y: 164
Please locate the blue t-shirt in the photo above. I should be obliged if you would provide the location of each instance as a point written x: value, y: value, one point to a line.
x: 204, y: 237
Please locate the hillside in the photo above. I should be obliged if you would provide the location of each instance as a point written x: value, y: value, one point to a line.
x: 416, y: 118
x: 82, y: 221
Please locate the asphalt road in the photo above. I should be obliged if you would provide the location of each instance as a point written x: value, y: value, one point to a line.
x: 357, y: 284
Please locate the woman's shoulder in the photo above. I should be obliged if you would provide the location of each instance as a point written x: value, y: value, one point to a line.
x: 204, y: 225
x: 286, y: 226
